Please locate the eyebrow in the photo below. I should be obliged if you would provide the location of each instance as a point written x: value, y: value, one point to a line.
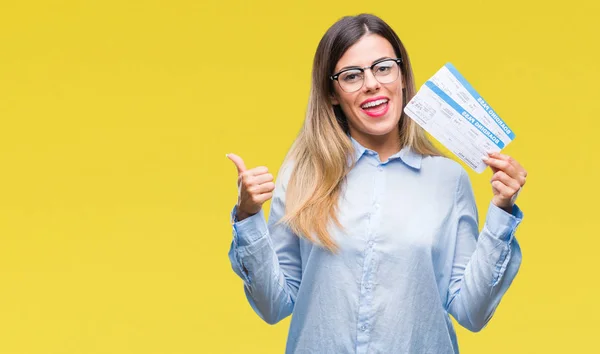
x: 356, y: 66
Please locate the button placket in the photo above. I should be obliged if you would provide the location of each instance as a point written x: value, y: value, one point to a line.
x: 365, y: 309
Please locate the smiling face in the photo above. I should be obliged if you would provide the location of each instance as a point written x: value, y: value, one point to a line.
x: 371, y: 123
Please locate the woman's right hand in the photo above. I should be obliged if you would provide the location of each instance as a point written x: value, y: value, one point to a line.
x: 255, y: 186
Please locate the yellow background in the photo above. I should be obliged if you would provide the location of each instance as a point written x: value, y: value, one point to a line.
x: 115, y: 192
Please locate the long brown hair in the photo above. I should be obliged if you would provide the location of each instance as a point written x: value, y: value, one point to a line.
x: 322, y: 149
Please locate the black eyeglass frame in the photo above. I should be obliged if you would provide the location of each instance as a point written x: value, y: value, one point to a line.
x: 336, y: 76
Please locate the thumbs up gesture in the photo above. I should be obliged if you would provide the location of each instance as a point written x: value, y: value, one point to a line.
x: 255, y: 186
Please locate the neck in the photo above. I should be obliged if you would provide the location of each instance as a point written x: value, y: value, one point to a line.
x: 385, y: 145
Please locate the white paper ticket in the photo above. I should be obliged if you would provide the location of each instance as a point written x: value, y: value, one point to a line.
x: 450, y: 109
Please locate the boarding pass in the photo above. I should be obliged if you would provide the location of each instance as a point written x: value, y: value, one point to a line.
x: 450, y: 109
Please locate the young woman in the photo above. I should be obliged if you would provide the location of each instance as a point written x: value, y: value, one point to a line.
x: 372, y: 239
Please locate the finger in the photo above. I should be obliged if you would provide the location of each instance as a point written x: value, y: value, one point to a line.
x: 257, y: 171
x: 501, y: 165
x: 239, y: 163
x: 500, y: 156
x: 505, y: 191
x: 262, y: 188
x: 520, y: 173
x: 263, y: 178
x: 249, y: 176
x: 506, y: 180
x: 259, y: 199
x: 512, y: 161
x: 254, y: 177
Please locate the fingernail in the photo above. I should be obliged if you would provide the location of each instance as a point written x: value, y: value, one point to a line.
x: 485, y: 158
x: 227, y: 155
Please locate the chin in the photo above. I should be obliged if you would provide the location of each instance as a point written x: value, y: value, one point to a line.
x: 379, y: 130
x: 381, y: 126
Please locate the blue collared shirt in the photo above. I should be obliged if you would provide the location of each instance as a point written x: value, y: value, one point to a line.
x: 410, y: 256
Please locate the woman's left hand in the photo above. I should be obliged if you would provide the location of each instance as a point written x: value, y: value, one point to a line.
x: 509, y: 176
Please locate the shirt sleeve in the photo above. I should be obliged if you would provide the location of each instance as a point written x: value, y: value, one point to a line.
x: 485, y: 263
x: 266, y: 257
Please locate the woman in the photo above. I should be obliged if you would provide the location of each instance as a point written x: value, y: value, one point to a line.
x: 372, y: 239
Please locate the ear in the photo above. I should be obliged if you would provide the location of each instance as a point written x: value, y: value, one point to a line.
x: 334, y: 100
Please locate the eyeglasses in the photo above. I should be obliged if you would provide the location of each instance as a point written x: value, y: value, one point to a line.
x: 352, y: 79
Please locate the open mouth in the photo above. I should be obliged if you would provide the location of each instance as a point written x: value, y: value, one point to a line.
x: 376, y: 108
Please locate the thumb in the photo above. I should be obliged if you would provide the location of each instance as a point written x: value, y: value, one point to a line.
x: 239, y: 163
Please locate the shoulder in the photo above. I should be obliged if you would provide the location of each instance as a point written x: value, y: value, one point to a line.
x: 442, y: 164
x: 444, y: 170
x: 285, y: 172
x: 448, y: 178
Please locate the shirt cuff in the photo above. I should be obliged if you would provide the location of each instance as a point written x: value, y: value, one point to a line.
x: 249, y: 230
x: 502, y: 224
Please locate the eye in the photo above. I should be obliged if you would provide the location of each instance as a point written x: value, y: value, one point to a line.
x: 351, y: 76
x: 383, y: 68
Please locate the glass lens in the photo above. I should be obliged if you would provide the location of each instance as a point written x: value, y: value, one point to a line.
x: 351, y: 80
x: 386, y: 71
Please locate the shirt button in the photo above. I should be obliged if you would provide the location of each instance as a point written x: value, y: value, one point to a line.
x: 371, y: 243
x: 367, y: 287
x: 377, y: 206
x: 364, y: 327
x: 380, y: 169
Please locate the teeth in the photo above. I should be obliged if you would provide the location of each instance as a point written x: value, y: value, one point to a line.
x: 374, y: 103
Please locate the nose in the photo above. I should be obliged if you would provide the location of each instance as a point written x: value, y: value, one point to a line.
x: 371, y: 83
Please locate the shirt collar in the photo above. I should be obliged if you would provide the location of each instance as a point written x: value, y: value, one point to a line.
x: 407, y: 155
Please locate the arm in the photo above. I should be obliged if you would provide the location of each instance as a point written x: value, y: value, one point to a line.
x: 267, y: 258
x: 485, y: 263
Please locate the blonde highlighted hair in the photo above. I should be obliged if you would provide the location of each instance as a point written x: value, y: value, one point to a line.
x: 323, y: 149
